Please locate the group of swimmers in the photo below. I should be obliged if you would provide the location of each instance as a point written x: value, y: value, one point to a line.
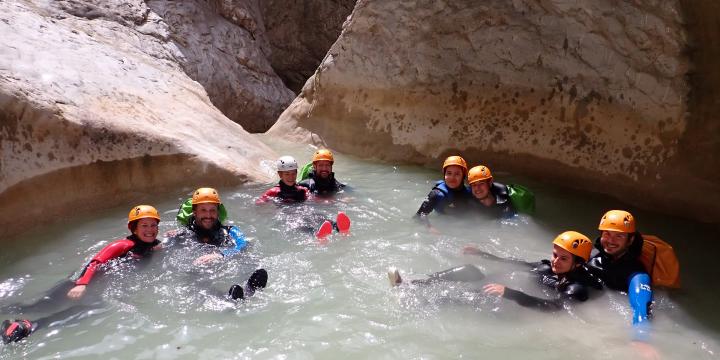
x: 577, y: 264
x: 201, y: 218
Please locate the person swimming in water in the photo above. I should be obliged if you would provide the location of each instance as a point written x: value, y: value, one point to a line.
x: 450, y: 195
x: 321, y: 179
x: 565, y: 272
x: 142, y: 222
x: 288, y: 191
x: 204, y: 226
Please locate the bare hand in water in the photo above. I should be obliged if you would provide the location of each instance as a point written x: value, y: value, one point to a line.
x: 470, y: 249
x: 645, y: 350
x: 205, y: 259
x: 76, y: 292
x: 494, y: 289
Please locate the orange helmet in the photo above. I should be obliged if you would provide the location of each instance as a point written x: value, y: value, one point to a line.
x: 323, y: 154
x: 479, y: 173
x: 205, y: 196
x: 142, y: 212
x: 455, y: 160
x: 575, y: 243
x: 617, y: 220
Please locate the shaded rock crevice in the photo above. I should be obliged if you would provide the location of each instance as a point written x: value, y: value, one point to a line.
x: 300, y: 35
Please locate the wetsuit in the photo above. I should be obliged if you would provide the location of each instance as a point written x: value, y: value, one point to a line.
x: 502, y: 208
x: 57, y: 296
x: 118, y: 248
x: 320, y: 186
x: 616, y: 274
x: 446, y: 200
x: 284, y: 192
x: 573, y: 285
x: 229, y: 237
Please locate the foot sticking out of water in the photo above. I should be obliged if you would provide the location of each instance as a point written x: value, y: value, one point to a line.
x: 257, y: 280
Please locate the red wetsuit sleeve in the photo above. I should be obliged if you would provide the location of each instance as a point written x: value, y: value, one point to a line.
x: 271, y: 193
x: 113, y: 250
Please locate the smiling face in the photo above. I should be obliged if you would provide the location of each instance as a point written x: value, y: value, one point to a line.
x: 481, y: 189
x: 454, y: 176
x: 323, y: 168
x: 288, y: 177
x: 615, y: 243
x: 206, y: 215
x: 146, y: 229
x: 562, y: 260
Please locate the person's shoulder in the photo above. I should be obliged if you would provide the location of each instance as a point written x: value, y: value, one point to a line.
x: 123, y: 243
x: 437, y: 192
x: 307, y: 183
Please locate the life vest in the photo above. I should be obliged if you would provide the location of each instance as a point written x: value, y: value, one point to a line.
x: 522, y: 199
x: 185, y: 211
x: 660, y: 261
x: 447, y: 195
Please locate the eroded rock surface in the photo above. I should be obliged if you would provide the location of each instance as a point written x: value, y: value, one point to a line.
x: 590, y: 94
x: 223, y: 46
x: 301, y: 34
x: 95, y: 111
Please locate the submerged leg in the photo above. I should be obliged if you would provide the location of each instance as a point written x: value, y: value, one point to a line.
x: 53, y: 299
x: 21, y: 328
x: 464, y: 273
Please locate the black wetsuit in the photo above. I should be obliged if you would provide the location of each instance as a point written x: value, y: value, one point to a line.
x: 320, y: 186
x: 446, y: 200
x: 285, y: 193
x: 616, y: 274
x: 574, y: 285
x: 218, y: 235
x: 502, y: 208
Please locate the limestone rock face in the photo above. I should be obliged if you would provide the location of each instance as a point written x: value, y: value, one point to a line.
x: 301, y: 34
x: 222, y: 45
x: 95, y: 111
x: 588, y: 93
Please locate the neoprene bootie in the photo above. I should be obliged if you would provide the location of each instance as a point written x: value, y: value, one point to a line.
x: 258, y: 280
x: 16, y: 330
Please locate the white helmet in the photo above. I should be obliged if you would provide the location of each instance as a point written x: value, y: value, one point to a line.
x: 286, y: 163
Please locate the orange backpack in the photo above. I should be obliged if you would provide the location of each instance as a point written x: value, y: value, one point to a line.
x: 660, y: 261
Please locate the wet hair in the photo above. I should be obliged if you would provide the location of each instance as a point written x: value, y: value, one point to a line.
x: 133, y: 226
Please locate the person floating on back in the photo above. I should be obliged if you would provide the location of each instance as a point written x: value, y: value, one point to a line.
x: 565, y: 273
x: 142, y: 222
x: 205, y: 227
